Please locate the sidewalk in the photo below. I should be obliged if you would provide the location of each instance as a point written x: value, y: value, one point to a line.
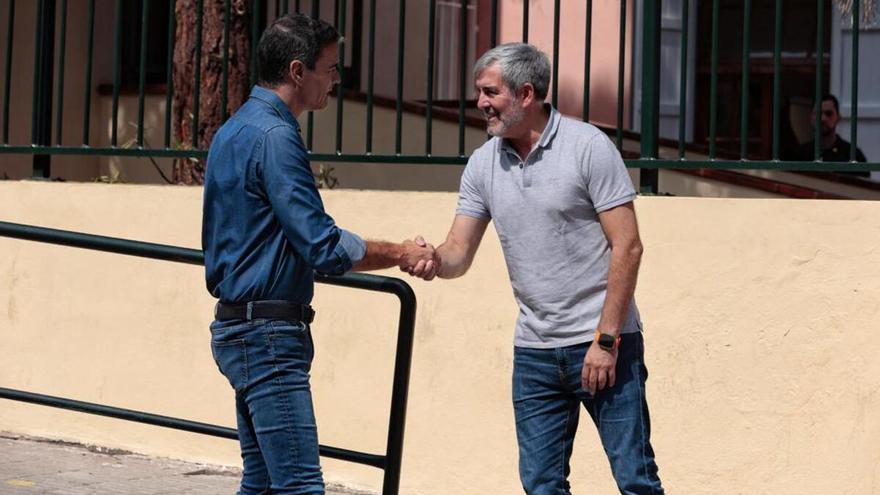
x: 36, y: 466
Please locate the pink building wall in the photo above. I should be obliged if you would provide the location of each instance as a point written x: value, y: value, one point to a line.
x: 604, y: 51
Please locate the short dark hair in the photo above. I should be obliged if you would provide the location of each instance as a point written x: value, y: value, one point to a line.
x: 833, y: 99
x: 292, y: 37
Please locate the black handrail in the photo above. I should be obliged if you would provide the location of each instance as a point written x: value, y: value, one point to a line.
x: 390, y: 462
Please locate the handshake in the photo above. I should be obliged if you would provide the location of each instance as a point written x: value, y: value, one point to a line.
x: 420, y: 259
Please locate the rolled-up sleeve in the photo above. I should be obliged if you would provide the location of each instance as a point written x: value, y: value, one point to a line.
x: 290, y: 187
x: 354, y: 246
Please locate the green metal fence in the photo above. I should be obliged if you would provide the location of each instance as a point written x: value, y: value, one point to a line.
x: 49, y: 73
x: 390, y: 461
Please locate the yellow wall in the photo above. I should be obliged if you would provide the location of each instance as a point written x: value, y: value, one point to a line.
x: 760, y: 320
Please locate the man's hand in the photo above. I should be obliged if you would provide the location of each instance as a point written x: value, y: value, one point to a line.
x: 419, y: 259
x: 599, y: 369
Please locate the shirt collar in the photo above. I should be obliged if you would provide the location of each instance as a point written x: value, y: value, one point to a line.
x: 547, y: 134
x: 551, y: 127
x: 269, y: 97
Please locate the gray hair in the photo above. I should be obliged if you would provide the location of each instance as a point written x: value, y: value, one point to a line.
x: 520, y: 63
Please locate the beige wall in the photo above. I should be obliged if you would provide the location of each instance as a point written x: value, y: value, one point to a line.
x: 760, y: 320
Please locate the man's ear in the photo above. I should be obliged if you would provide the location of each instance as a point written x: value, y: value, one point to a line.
x: 527, y: 94
x: 295, y: 71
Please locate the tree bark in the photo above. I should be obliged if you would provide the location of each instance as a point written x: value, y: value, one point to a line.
x: 192, y: 171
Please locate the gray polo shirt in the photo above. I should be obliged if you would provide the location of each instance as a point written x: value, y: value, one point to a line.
x: 546, y: 214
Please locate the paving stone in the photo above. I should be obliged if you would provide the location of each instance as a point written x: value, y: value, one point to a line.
x: 30, y: 466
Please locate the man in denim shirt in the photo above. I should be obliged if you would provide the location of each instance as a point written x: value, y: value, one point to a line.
x: 264, y: 234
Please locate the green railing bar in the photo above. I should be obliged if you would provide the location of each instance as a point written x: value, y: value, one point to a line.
x: 493, y: 29
x: 683, y: 74
x: 90, y: 43
x: 117, y: 73
x: 310, y: 118
x: 169, y: 71
x: 278, y: 8
x: 102, y: 243
x: 525, y: 31
x: 588, y: 48
x: 41, y: 168
x: 186, y: 153
x: 620, y: 73
x: 556, y: 9
x: 462, y: 72
x: 650, y: 118
x: 371, y: 66
x: 429, y: 93
x: 38, y: 75
x: 142, y: 78
x: 378, y: 461
x: 10, y: 25
x: 854, y: 75
x: 401, y: 21
x: 389, y: 462
x: 296, y: 5
x: 224, y: 83
x: 197, y: 91
x: 713, y: 85
x: 336, y: 16
x: 645, y: 163
x: 753, y: 165
x: 339, y: 89
x: 255, y: 38
x: 744, y: 109
x: 59, y: 90
x: 104, y: 151
x: 820, y: 51
x: 777, y: 76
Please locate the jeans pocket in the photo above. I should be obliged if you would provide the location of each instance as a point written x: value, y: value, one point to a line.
x: 231, y: 359
x: 291, y: 342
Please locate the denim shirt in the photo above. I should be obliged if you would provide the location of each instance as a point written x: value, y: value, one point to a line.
x: 264, y: 228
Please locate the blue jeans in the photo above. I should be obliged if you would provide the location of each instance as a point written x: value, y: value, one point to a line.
x: 547, y: 396
x: 267, y: 362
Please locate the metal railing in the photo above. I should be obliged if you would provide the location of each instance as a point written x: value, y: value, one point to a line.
x: 390, y: 462
x: 48, y: 74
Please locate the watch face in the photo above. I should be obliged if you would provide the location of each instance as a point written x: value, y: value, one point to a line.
x: 606, y: 341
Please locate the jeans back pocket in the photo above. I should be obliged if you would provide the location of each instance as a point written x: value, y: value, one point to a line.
x: 231, y: 359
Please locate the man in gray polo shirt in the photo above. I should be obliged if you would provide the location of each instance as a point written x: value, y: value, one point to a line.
x: 561, y: 201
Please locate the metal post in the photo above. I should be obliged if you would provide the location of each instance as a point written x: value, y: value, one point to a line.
x: 854, y: 75
x: 744, y: 103
x: 682, y: 94
x: 588, y: 47
x: 41, y: 131
x: 649, y: 179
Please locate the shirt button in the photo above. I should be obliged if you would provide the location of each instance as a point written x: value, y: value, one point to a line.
x: 520, y: 165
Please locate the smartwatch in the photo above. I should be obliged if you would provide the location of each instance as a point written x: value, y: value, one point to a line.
x: 607, y: 342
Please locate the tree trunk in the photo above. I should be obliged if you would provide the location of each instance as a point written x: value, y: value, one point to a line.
x: 192, y: 171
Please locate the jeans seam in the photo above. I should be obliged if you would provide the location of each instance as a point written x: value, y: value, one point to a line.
x: 288, y: 419
x: 564, y: 447
x: 642, y: 402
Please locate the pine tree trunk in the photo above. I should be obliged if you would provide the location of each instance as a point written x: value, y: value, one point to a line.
x: 192, y: 171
